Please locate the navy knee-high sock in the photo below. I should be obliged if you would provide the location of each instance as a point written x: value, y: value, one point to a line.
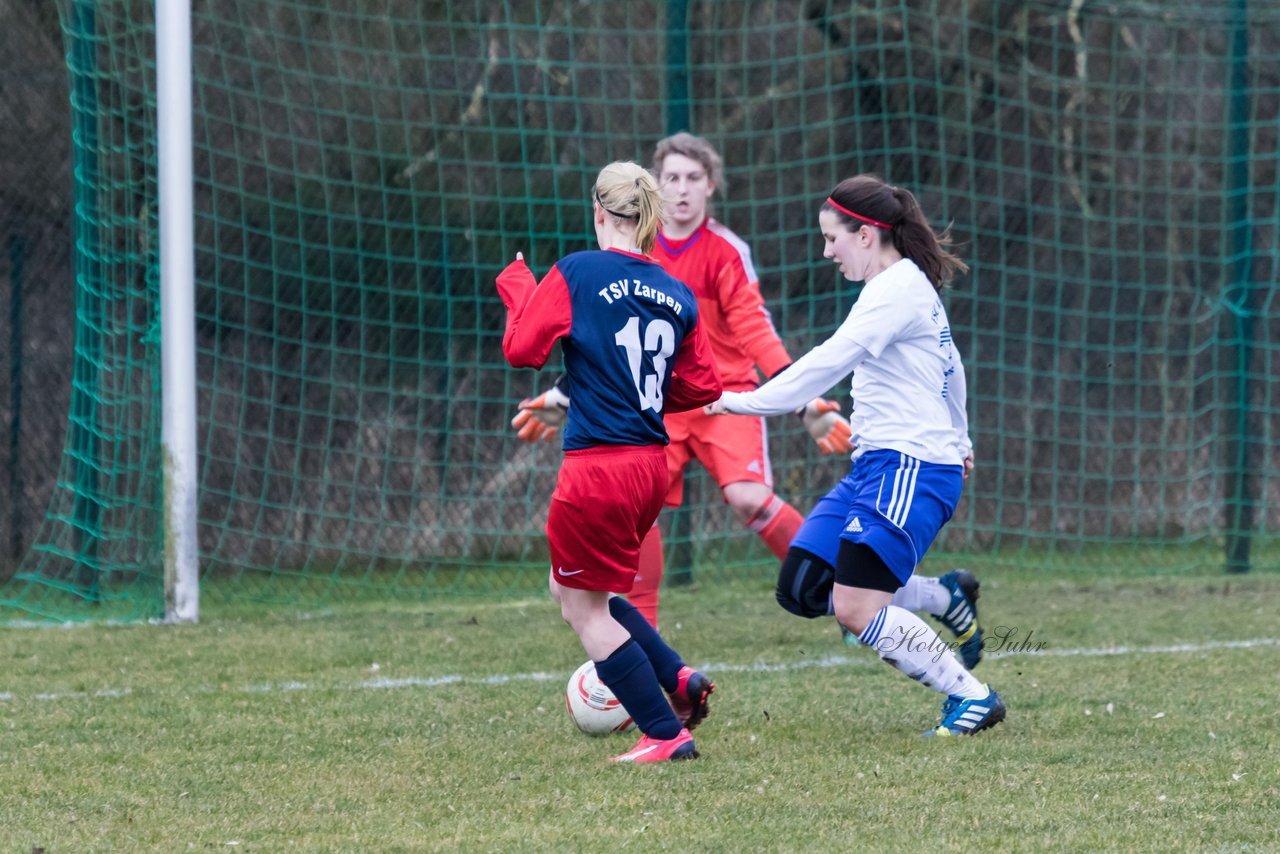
x: 630, y: 677
x: 666, y: 662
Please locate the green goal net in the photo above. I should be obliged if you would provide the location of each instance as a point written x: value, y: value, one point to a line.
x: 365, y: 167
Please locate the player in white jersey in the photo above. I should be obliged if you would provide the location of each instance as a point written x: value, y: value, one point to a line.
x: 912, y: 450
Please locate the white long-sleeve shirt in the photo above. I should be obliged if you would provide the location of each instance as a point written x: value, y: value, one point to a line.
x: 908, y: 381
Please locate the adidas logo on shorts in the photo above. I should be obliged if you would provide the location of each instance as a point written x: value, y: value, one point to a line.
x: 854, y: 526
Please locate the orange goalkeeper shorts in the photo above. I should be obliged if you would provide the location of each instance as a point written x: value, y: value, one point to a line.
x: 734, y: 448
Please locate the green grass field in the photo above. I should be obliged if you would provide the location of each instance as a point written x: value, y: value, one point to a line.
x: 442, y: 727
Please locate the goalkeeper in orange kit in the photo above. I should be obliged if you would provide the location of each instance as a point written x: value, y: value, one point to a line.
x: 716, y: 265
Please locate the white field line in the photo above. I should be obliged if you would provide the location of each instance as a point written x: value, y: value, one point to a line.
x: 865, y: 660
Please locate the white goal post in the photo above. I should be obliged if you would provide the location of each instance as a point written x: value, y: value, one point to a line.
x: 177, y: 310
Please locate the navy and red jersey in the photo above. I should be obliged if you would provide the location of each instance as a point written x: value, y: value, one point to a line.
x: 633, y: 343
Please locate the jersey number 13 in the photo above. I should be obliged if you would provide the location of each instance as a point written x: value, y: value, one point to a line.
x: 660, y: 340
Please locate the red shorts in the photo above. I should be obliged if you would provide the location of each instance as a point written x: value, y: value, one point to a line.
x: 734, y: 448
x: 605, y: 502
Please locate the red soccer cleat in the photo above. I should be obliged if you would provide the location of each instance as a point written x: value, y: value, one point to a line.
x: 660, y: 750
x: 689, y: 700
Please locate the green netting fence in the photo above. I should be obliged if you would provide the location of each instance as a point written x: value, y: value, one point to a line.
x: 365, y: 167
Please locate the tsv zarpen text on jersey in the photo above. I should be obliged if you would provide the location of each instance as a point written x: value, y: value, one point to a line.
x: 622, y: 288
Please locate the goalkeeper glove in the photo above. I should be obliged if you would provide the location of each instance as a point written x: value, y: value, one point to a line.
x: 541, y: 417
x: 827, y: 426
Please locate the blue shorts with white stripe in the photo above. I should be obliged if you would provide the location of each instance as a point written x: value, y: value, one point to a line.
x: 892, y: 502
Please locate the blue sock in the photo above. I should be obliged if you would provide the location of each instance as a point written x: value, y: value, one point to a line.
x: 630, y: 677
x: 666, y: 663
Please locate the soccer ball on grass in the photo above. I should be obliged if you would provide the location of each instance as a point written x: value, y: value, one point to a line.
x: 592, y: 706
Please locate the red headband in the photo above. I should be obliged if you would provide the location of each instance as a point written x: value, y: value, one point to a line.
x: 865, y: 219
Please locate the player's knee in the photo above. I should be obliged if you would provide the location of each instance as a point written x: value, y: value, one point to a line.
x: 852, y: 617
x: 799, y: 607
x: 804, y: 584
x: 573, y: 616
x: 748, y: 501
x: 748, y: 512
x: 867, y: 585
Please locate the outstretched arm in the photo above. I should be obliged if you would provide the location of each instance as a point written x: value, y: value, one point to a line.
x: 810, y: 375
x: 537, y: 314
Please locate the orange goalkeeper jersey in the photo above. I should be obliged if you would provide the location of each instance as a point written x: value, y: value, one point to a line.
x: 716, y: 265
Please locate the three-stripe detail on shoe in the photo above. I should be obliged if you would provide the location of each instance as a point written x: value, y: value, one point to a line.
x: 972, y: 716
x: 959, y: 615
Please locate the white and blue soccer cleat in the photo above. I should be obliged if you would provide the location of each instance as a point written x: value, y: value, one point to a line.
x: 961, y: 617
x: 965, y: 716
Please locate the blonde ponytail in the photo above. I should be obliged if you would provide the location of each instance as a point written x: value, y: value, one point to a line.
x: 629, y: 193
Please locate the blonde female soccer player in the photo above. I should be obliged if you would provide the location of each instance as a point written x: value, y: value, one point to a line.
x: 716, y: 265
x: 913, y: 451
x: 633, y: 350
